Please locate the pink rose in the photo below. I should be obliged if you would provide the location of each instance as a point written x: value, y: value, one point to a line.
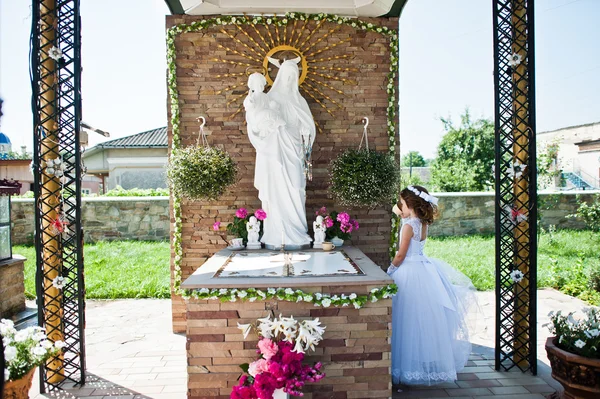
x: 268, y: 348
x: 241, y: 213
x: 260, y: 214
x: 328, y: 222
x: 216, y: 226
x: 258, y: 366
x: 355, y: 224
x: 343, y: 218
x: 323, y: 211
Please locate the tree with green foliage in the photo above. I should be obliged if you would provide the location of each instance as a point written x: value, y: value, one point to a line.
x: 414, y: 159
x: 465, y: 156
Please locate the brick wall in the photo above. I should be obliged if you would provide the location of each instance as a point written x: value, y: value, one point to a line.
x: 12, y: 288
x: 198, y: 87
x: 355, y: 350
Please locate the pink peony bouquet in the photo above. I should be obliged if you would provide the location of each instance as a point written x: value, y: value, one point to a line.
x: 281, y: 347
x: 241, y: 218
x: 338, y: 224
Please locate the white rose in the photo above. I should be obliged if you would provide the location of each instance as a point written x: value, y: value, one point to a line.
x: 352, y: 296
x: 38, y: 351
x: 10, y: 353
x: 21, y: 336
x: 59, y: 344
x: 38, y: 336
x: 326, y: 302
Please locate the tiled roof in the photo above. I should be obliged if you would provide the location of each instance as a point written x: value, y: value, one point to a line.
x: 152, y: 138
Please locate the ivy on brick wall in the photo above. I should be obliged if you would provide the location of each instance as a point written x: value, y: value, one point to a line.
x: 284, y: 20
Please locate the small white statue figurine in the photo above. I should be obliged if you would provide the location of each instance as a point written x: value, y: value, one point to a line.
x: 253, y: 228
x: 319, y: 229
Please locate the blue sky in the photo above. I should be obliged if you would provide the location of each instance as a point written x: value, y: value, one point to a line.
x: 445, y: 65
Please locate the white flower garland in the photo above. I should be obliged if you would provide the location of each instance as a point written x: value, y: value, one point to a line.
x: 197, y: 26
x: 292, y: 295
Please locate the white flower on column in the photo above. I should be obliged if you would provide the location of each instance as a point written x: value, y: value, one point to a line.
x: 55, y: 53
x: 515, y: 59
x: 516, y: 169
x: 58, y: 282
x: 516, y: 276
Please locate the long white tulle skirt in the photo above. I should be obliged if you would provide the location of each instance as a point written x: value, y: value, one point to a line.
x: 430, y: 339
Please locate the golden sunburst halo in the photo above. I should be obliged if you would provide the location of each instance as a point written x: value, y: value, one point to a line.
x: 284, y: 41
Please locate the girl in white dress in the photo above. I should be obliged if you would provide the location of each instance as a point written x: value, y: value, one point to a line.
x: 430, y: 341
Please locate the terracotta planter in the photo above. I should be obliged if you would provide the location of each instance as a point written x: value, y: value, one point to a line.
x: 19, y: 389
x: 580, y: 376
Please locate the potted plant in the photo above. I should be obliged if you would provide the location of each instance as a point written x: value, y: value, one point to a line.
x: 574, y: 353
x: 200, y: 172
x: 278, y: 371
x: 24, y: 350
x: 364, y: 178
x: 339, y: 225
x: 238, y: 227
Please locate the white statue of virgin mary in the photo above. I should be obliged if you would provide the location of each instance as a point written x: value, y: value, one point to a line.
x: 281, y: 128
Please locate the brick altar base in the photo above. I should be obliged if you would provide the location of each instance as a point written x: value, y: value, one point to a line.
x: 355, y: 350
x: 12, y: 286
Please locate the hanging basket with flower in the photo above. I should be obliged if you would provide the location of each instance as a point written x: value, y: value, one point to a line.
x: 364, y: 178
x: 201, y: 172
x: 279, y: 368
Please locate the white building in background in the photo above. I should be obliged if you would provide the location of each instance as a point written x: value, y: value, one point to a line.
x: 136, y: 161
x: 578, y: 154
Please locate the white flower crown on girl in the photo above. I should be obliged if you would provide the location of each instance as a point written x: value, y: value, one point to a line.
x: 422, y: 194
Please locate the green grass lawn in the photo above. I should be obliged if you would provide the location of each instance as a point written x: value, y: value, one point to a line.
x: 116, y: 269
x: 132, y: 269
x: 565, y: 260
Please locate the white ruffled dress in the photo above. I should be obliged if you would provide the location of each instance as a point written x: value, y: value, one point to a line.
x: 430, y: 339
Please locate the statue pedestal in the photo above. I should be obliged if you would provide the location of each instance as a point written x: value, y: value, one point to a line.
x: 253, y: 245
x: 318, y: 245
x: 356, y: 347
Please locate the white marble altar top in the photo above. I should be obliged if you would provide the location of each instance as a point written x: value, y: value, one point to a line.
x: 261, y: 264
x: 315, y: 267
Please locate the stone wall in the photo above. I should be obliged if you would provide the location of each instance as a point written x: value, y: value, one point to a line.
x: 473, y: 213
x: 205, y: 62
x: 146, y: 218
x: 12, y: 288
x: 104, y: 218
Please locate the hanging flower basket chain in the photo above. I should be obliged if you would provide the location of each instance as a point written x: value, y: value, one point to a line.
x: 201, y: 172
x: 364, y: 177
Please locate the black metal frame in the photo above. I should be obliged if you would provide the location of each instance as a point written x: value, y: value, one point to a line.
x: 65, y: 111
x: 516, y: 240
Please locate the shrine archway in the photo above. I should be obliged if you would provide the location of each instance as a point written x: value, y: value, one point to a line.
x: 56, y: 69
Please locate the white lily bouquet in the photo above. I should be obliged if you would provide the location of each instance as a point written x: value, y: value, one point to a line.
x: 282, y: 344
x: 25, y: 349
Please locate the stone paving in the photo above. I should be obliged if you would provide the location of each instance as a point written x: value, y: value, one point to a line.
x: 132, y: 353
